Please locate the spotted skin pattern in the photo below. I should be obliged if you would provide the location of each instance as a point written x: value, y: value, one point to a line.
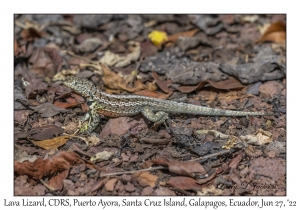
x: 127, y: 105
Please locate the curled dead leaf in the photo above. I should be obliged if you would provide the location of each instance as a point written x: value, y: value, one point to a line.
x: 193, y: 169
x: 276, y: 32
x: 52, y: 143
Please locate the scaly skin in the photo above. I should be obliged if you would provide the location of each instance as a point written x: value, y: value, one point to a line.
x: 128, y: 105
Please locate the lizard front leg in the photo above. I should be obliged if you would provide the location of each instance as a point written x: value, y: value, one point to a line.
x: 158, y: 117
x: 85, y: 117
x: 93, y: 116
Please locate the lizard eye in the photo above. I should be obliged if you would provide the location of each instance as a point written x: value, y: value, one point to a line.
x: 89, y: 103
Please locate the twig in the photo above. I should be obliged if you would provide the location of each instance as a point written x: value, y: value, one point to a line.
x: 212, y: 155
x: 77, y: 56
x: 76, y: 148
x: 47, y: 186
x: 131, y: 172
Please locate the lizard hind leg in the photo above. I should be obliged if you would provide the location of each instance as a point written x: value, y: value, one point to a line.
x: 158, y: 117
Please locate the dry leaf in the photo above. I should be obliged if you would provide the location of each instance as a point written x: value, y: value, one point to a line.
x: 230, y: 144
x: 164, y: 85
x: 101, y: 156
x: 145, y: 178
x: 110, y: 184
x: 64, y: 74
x: 112, y: 59
x: 113, y: 81
x: 174, y: 37
x: 21, y: 116
x: 52, y: 143
x: 261, y: 137
x: 46, y: 61
x: 55, y: 168
x: 44, y: 132
x: 276, y: 32
x: 192, y: 169
x: 235, y: 161
x: 71, y: 102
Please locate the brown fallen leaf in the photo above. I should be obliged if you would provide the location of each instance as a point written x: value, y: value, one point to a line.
x: 174, y: 37
x: 70, y: 103
x: 183, y: 183
x: 112, y: 59
x: 113, y: 81
x: 31, y: 30
x: 48, y: 110
x: 147, y: 49
x: 52, y: 143
x: 110, y: 184
x: 276, y: 32
x: 89, y: 44
x: 121, y: 125
x: 145, y: 178
x: 56, y: 168
x: 192, y: 169
x: 44, y: 132
x: 235, y: 161
x: 33, y: 84
x: 229, y: 84
x: 155, y: 141
x: 21, y: 116
x: 164, y: 85
x: 186, y: 168
x: 30, y: 34
x: 46, y: 62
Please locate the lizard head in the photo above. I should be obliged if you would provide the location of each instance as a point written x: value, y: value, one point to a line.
x: 79, y: 85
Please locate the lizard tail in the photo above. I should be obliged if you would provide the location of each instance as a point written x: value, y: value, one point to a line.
x: 200, y: 110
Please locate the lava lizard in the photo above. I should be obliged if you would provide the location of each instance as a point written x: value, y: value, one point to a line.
x: 153, y: 109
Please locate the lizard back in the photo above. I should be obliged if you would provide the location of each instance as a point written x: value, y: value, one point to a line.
x: 126, y: 105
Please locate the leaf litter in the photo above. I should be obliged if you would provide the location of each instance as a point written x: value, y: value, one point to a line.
x: 185, y: 64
